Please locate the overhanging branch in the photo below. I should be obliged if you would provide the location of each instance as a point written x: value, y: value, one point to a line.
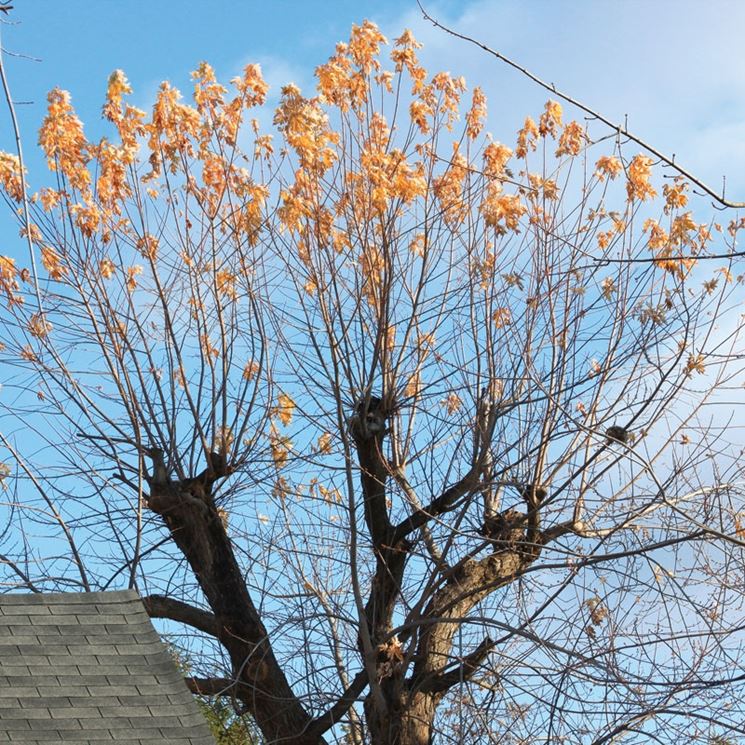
x: 443, y: 503
x: 160, y: 606
x: 211, y: 686
x: 619, y: 128
x: 326, y: 721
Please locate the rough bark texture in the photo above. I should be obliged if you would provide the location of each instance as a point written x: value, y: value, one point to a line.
x: 409, y: 722
x: 401, y: 702
x: 402, y: 710
x: 189, y: 512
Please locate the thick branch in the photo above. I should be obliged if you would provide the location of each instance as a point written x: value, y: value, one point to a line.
x: 443, y: 503
x: 462, y: 673
x: 326, y: 721
x: 160, y: 606
x: 211, y: 686
x: 469, y: 583
x: 374, y: 475
x: 261, y: 684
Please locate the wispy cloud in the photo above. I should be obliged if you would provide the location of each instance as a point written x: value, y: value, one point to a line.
x: 677, y: 70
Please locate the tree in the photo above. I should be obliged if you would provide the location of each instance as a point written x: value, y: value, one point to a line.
x: 401, y: 427
x: 226, y: 722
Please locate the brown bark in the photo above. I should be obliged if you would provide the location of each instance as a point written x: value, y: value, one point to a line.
x: 369, y: 432
x: 399, y: 710
x: 391, y: 717
x: 195, y: 525
x: 468, y: 583
x: 160, y: 606
x: 403, y: 711
x: 410, y: 720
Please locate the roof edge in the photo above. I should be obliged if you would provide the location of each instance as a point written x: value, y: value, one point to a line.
x: 61, y: 598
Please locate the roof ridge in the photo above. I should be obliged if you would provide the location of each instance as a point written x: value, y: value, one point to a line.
x: 46, y: 598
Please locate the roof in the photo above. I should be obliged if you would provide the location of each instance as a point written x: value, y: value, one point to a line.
x: 89, y: 668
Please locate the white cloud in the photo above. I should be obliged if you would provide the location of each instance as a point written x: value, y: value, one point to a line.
x: 676, y: 69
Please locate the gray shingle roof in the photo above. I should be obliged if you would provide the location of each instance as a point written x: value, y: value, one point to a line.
x: 89, y: 668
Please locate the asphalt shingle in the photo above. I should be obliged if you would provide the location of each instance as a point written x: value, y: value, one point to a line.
x: 88, y: 668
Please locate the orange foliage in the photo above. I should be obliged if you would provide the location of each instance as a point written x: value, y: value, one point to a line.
x: 346, y: 176
x: 63, y: 142
x: 10, y: 176
x: 639, y: 172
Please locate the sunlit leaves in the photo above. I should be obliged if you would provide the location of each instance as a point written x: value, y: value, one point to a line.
x: 572, y: 140
x: 53, y: 263
x: 209, y: 349
x: 225, y: 283
x: 550, y: 120
x: 420, y: 113
x: 372, y: 266
x: 452, y: 403
x: 10, y: 176
x: 9, y: 285
x: 250, y: 371
x: 5, y: 472
x: 496, y: 156
x: 449, y: 188
x: 608, y: 166
x: 446, y: 91
x: 527, y: 138
x: 117, y: 87
x: 695, y: 364
x: 62, y: 140
x: 323, y: 445
x: 132, y: 273
x: 502, y: 317
x: 514, y: 280
x: 609, y: 288
x: 172, y: 130
x: 413, y: 386
x: 106, y: 267
x: 639, y: 172
x: 112, y: 185
x: 280, y: 447
x: 49, y: 198
x: 502, y: 211
x: 675, y: 250
x: 364, y: 46
x: 675, y: 195
x: 306, y: 129
x: 476, y: 116
x: 284, y: 408
x: 38, y: 326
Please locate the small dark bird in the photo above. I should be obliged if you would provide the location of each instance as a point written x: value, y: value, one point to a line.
x: 617, y: 434
x: 6, y: 8
x: 374, y: 404
x: 532, y: 494
x: 504, y: 527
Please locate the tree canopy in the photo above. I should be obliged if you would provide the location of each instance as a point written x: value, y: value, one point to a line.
x: 403, y: 429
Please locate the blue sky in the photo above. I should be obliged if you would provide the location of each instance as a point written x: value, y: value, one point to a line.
x: 677, y: 69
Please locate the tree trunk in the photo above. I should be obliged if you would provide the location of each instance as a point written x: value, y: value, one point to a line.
x: 261, y: 686
x: 409, y: 720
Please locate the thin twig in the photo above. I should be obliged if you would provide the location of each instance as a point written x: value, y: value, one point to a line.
x: 620, y: 129
x: 24, y: 197
x: 19, y: 55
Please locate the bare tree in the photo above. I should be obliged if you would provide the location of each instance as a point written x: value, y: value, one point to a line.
x: 389, y: 420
